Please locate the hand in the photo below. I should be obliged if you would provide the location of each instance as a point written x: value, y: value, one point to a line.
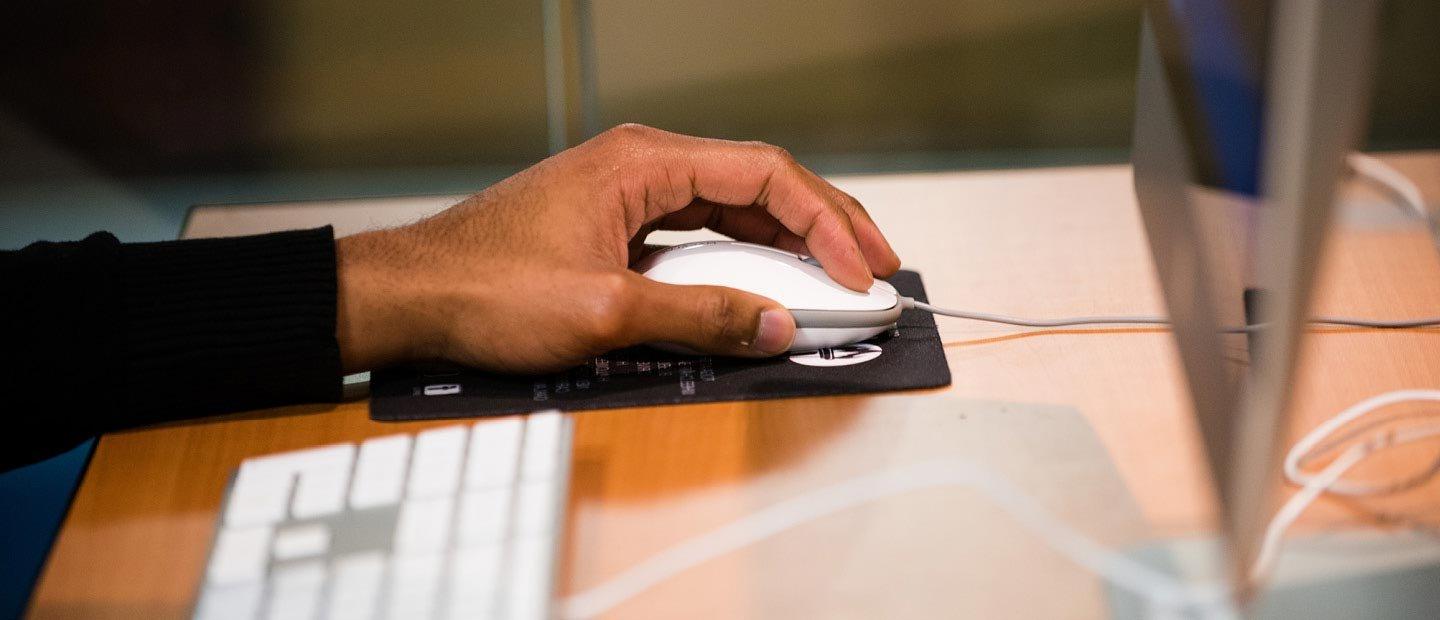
x: 531, y: 274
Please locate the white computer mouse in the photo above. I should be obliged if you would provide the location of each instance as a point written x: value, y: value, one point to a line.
x: 826, y: 313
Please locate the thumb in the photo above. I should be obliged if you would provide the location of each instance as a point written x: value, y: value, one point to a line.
x: 714, y: 319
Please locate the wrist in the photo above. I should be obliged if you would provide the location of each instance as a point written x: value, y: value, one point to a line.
x: 380, y: 319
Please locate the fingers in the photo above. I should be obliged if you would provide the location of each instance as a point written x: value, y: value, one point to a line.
x: 709, y: 319
x: 834, y: 227
x: 830, y: 222
x: 752, y: 225
x: 883, y: 260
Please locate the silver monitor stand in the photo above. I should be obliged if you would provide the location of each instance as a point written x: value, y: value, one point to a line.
x: 1211, y: 245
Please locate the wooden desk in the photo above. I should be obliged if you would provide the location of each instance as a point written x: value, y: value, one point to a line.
x: 1035, y: 243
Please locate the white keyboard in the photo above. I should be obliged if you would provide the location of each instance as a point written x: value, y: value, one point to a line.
x: 456, y: 522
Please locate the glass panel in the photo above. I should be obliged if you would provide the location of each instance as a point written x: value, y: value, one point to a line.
x: 857, y: 85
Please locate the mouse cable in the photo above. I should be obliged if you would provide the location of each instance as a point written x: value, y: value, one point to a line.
x: 908, y: 303
x: 1373, y: 169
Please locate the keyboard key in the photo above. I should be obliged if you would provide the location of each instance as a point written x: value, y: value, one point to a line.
x: 541, y: 456
x: 415, y: 585
x: 295, y: 591
x: 531, y: 569
x: 259, y: 495
x: 355, y: 586
x: 424, y: 525
x: 536, y: 507
x: 319, y: 476
x: 435, y: 467
x: 301, y: 541
x: 239, y: 601
x: 474, y: 581
x: 494, y: 453
x: 240, y: 555
x: 484, y: 516
x: 320, y: 487
x: 380, y: 471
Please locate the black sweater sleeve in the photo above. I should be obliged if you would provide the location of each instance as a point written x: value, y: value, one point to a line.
x: 100, y: 335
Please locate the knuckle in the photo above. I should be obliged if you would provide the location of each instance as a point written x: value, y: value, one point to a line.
x: 832, y: 223
x: 625, y: 147
x: 723, y: 319
x: 628, y: 133
x: 779, y: 155
x: 610, y: 302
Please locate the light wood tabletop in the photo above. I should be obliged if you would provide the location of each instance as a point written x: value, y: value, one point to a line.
x: 1124, y: 467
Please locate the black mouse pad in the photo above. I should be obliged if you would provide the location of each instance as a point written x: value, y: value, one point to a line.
x: 907, y: 357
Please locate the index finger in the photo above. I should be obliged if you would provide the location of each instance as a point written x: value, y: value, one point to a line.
x: 744, y: 174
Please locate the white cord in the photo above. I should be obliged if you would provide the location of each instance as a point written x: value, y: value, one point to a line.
x: 908, y: 303
x: 1329, y: 479
x: 1309, y: 447
x: 1372, y: 168
x: 1281, y: 522
x: 1385, y: 175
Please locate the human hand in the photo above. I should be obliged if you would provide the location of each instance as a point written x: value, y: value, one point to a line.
x: 531, y: 274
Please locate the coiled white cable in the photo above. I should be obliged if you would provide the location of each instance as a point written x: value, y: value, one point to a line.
x: 1329, y: 480
x: 1309, y: 448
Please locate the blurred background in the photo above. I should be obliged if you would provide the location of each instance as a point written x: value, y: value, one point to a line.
x: 119, y: 114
